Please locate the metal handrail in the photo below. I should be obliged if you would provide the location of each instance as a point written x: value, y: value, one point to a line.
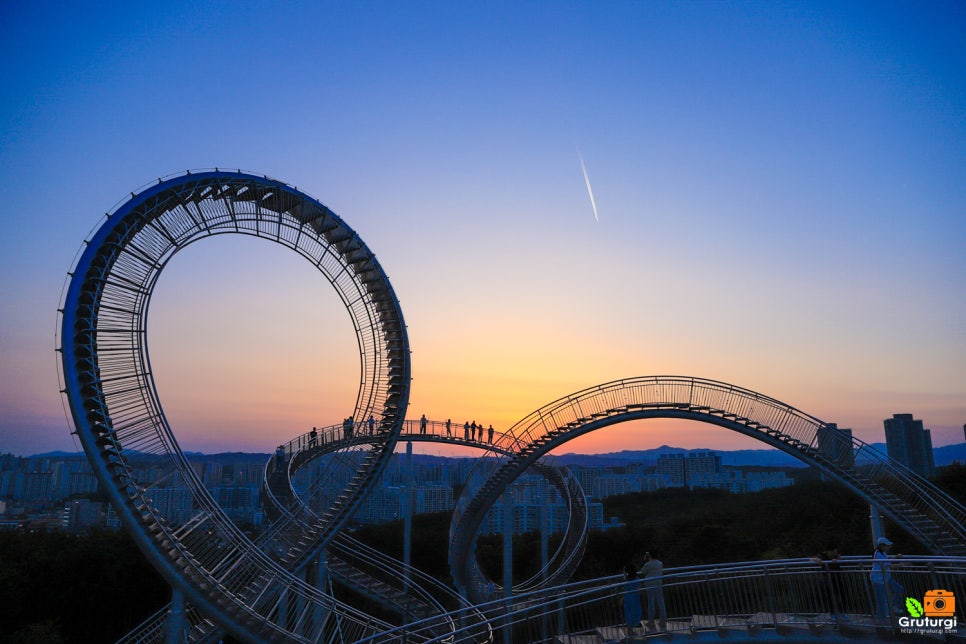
x: 928, y: 514
x: 301, y: 450
x: 789, y: 596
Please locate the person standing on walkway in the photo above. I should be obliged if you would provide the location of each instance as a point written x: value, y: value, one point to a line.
x: 449, y: 433
x: 653, y: 571
x: 489, y: 432
x: 372, y: 425
x: 422, y: 424
x: 888, y: 593
x: 466, y: 430
x: 313, y: 438
x: 831, y: 561
x: 631, y: 600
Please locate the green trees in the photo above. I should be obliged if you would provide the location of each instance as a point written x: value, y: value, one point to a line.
x: 57, y: 587
x: 687, y: 527
x: 690, y: 527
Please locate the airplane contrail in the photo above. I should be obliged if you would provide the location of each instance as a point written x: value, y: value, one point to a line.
x: 590, y: 191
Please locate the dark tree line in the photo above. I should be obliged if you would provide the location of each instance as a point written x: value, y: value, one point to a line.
x: 56, y: 587
x: 687, y: 527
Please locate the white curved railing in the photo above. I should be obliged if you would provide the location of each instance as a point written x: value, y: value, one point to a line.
x: 926, y: 512
x: 790, y: 597
x: 329, y: 441
x: 332, y: 442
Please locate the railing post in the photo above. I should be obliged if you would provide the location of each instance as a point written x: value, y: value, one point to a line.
x: 833, y: 584
x: 283, y: 612
x: 174, y: 625
x: 544, y: 510
x: 320, y: 581
x: 875, y: 519
x: 933, y: 579
x: 507, y: 562
x: 408, y: 522
x: 769, y: 593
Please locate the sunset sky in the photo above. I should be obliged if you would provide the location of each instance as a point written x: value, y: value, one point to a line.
x: 780, y: 190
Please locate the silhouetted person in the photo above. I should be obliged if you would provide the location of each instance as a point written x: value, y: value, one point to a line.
x: 466, y: 430
x: 888, y: 593
x: 280, y: 458
x: 473, y: 431
x: 831, y: 561
x: 313, y: 438
x: 652, y: 572
x: 372, y: 425
x: 489, y: 433
x: 631, y: 598
x: 422, y: 424
x: 350, y: 424
x: 449, y: 433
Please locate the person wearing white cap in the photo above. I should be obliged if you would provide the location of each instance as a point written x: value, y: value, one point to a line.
x: 887, y: 590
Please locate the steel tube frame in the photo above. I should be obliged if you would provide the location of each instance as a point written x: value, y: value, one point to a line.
x: 109, y: 384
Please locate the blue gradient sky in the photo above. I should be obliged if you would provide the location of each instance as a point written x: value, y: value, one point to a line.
x: 781, y: 190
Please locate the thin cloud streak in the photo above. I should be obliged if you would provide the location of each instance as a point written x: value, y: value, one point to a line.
x: 590, y: 191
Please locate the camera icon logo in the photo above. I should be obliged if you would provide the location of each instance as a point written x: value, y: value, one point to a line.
x: 939, y: 603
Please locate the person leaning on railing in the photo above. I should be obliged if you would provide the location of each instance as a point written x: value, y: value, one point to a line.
x: 888, y: 593
x: 831, y: 561
x: 652, y: 572
x: 631, y: 600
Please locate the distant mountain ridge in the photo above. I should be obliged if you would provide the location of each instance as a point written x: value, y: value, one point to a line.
x: 752, y: 457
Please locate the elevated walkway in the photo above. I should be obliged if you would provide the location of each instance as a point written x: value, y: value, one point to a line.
x: 785, y: 601
x: 926, y: 512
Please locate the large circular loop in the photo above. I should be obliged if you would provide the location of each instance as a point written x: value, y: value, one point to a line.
x: 118, y: 416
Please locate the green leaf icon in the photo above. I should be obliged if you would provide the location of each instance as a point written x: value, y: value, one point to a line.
x: 914, y: 607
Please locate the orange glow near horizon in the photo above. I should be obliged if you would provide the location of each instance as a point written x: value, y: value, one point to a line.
x: 628, y: 436
x: 785, y: 215
x: 266, y: 351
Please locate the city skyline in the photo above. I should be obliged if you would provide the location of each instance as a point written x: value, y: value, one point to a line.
x: 36, y: 493
x: 780, y: 192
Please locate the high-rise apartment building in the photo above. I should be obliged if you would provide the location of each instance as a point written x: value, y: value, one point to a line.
x: 694, y: 470
x: 37, y: 487
x: 672, y: 469
x: 908, y: 443
x: 703, y: 463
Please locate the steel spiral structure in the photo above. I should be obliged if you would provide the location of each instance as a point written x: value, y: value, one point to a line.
x: 925, y: 511
x: 259, y: 591
x: 118, y: 417
x: 279, y: 495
